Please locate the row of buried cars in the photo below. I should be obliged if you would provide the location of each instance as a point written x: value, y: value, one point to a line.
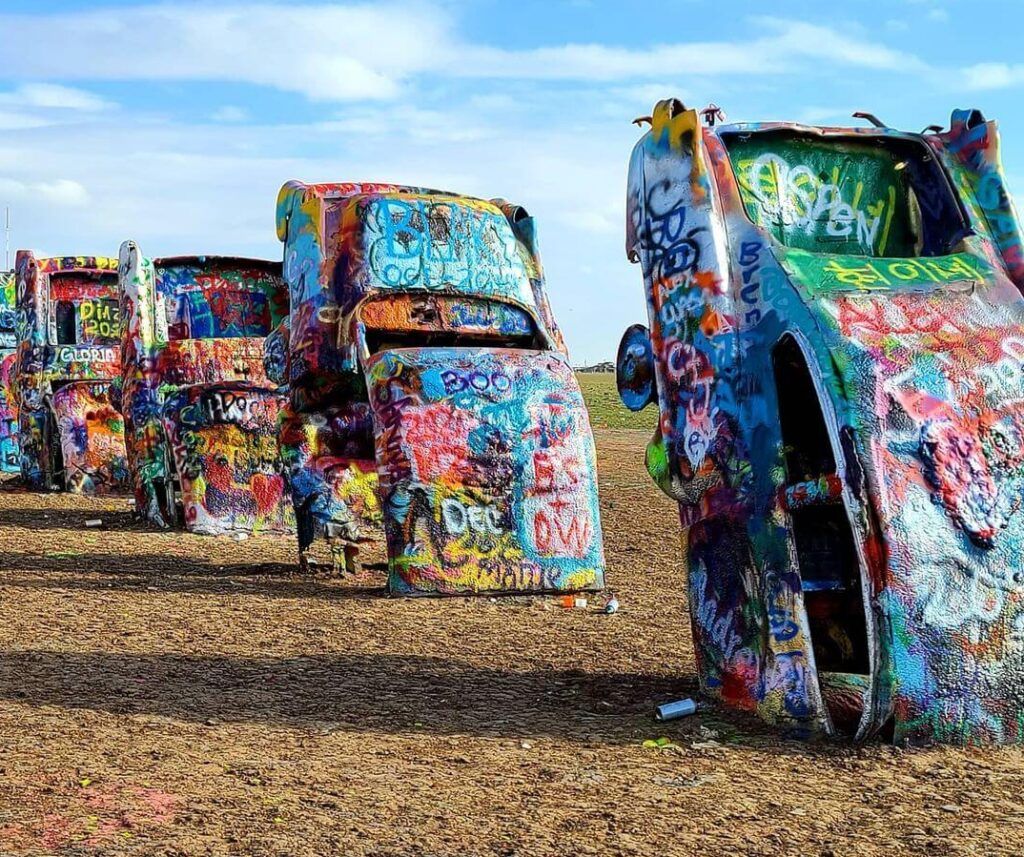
x: 400, y: 376
x: 835, y: 348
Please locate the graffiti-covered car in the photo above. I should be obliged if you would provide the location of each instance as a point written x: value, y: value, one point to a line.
x: 9, y: 456
x: 201, y: 416
x: 69, y: 333
x: 422, y: 344
x: 836, y: 348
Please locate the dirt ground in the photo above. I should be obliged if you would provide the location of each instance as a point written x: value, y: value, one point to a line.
x: 170, y: 694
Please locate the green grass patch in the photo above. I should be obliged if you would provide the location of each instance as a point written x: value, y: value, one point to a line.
x: 607, y: 410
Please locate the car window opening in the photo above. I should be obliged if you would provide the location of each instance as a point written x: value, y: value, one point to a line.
x: 861, y: 195
x: 385, y: 340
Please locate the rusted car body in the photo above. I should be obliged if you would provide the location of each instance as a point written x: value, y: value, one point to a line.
x: 201, y: 416
x: 836, y: 347
x: 9, y: 455
x: 430, y: 385
x: 69, y: 332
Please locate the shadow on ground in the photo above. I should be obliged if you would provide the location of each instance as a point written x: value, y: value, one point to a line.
x: 352, y: 692
x: 100, y: 572
x: 55, y: 518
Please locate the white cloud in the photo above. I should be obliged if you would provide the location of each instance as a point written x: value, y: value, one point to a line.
x: 63, y: 192
x: 786, y: 46
x: 324, y: 52
x: 829, y: 46
x: 39, y: 105
x: 60, y: 192
x: 53, y: 96
x: 50, y: 96
x: 940, y: 16
x: 371, y: 51
x: 230, y: 113
x: 15, y: 121
x: 993, y: 75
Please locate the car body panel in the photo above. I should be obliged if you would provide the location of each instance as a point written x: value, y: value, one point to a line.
x: 9, y: 452
x: 894, y: 271
x: 385, y: 276
x: 200, y: 410
x: 68, y: 329
x: 90, y: 431
x: 224, y: 439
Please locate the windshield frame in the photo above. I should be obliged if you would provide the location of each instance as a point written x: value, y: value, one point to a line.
x: 914, y: 147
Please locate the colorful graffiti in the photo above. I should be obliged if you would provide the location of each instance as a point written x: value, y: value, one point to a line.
x: 68, y: 332
x: 201, y: 413
x: 8, y: 293
x: 430, y: 392
x: 487, y: 470
x: 836, y: 347
x: 225, y: 452
x: 971, y: 149
x: 329, y: 456
x: 9, y: 452
x: 91, y: 433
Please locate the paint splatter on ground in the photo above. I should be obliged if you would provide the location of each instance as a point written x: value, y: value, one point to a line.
x: 168, y: 694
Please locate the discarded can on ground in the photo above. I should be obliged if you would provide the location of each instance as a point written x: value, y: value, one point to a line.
x: 675, y: 710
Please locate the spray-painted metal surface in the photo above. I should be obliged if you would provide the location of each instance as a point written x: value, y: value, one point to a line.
x: 836, y: 347
x: 68, y: 351
x: 9, y: 454
x: 201, y: 414
x: 422, y: 345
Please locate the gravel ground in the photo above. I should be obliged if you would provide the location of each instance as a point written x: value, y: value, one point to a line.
x: 168, y: 694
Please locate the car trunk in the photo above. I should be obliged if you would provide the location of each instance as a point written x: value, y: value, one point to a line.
x: 90, y: 435
x: 224, y: 441
x: 487, y: 470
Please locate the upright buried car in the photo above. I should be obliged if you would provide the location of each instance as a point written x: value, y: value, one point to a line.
x: 69, y: 332
x: 9, y: 456
x: 420, y: 328
x: 837, y: 352
x: 201, y: 415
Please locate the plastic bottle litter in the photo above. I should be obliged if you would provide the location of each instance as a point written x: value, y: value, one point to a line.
x: 570, y: 602
x: 677, y: 709
x: 94, y: 522
x: 611, y: 605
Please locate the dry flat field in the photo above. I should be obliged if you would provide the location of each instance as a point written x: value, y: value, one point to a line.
x: 167, y: 694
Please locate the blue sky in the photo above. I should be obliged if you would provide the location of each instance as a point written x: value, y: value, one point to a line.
x: 176, y: 123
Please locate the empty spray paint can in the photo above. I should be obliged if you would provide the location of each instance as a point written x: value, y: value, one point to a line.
x: 677, y: 709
